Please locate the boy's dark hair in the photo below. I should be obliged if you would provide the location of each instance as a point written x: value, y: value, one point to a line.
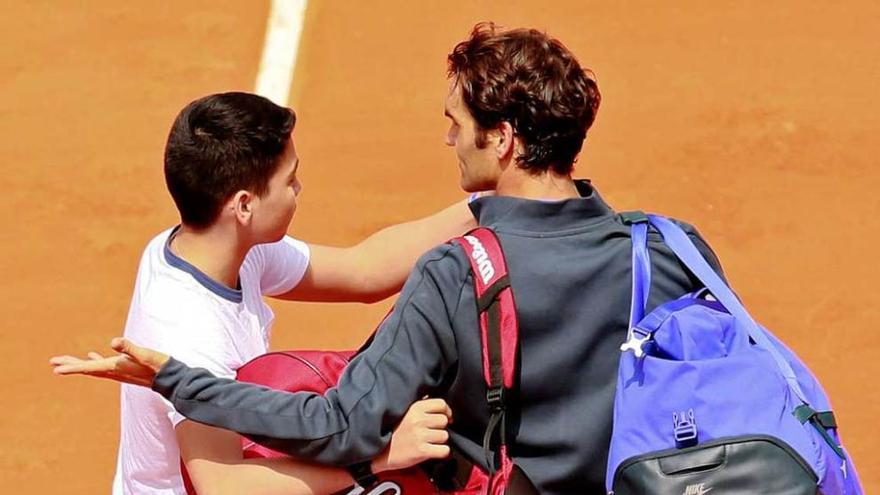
x: 532, y: 81
x: 221, y: 144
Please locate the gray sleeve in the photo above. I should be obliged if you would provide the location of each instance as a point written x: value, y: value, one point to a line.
x: 410, y: 354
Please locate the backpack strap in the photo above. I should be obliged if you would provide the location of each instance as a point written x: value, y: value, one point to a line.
x: 641, y: 280
x: 499, y: 335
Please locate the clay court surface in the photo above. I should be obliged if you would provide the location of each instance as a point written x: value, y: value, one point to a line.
x: 757, y: 124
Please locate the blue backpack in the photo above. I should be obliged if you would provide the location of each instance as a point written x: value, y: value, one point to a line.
x: 708, y: 400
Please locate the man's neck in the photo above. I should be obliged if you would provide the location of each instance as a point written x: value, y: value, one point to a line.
x: 547, y: 186
x: 214, y: 251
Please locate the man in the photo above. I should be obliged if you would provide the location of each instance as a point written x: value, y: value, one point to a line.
x: 232, y: 169
x: 520, y: 106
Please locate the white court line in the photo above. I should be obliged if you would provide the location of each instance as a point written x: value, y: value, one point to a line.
x: 283, y: 31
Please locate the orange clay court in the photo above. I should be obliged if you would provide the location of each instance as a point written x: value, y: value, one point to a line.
x: 756, y: 123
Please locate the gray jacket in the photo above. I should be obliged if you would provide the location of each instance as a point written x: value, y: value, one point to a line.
x: 570, y: 273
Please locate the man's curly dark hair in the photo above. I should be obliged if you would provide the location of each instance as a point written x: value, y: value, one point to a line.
x: 532, y: 81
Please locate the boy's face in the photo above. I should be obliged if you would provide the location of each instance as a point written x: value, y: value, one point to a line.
x: 274, y: 209
x: 479, y: 167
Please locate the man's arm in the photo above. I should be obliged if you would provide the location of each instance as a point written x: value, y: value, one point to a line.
x: 213, y: 457
x: 377, y: 267
x: 411, y: 354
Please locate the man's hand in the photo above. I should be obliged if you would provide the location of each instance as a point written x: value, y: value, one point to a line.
x: 420, y: 436
x: 134, y: 364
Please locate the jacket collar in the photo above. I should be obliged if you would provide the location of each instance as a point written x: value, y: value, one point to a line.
x: 512, y: 214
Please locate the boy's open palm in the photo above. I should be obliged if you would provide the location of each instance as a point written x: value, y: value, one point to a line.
x: 134, y: 364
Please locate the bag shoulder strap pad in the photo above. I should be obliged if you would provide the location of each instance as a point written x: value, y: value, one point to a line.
x: 495, y: 305
x: 499, y: 336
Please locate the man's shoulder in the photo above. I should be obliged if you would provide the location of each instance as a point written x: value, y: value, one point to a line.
x: 444, y: 266
x: 623, y: 221
x: 690, y: 230
x: 697, y: 238
x: 448, y: 258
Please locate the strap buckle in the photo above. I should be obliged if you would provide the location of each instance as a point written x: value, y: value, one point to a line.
x: 684, y: 429
x: 495, y: 398
x: 636, y: 342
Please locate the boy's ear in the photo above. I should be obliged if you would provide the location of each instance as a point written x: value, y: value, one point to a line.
x: 242, y: 205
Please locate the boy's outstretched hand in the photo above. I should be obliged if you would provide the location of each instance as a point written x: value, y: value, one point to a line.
x: 420, y: 436
x: 134, y: 364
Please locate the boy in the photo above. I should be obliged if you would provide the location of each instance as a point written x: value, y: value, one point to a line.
x: 231, y: 168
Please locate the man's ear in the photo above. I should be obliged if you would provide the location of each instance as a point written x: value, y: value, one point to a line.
x: 505, y: 144
x: 242, y: 206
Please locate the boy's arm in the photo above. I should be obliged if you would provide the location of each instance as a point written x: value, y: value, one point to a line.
x: 213, y: 457
x: 215, y: 465
x: 377, y: 267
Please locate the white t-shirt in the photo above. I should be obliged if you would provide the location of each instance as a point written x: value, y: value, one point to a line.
x: 178, y: 310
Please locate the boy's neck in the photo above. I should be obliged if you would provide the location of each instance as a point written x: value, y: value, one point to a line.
x: 214, y: 251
